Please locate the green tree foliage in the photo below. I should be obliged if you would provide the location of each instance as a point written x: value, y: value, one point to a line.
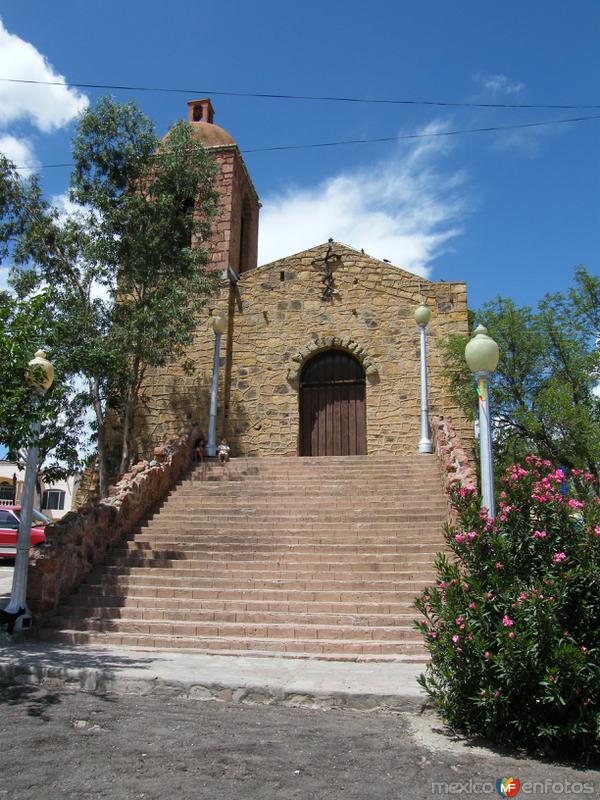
x: 127, y: 287
x: 25, y: 326
x: 543, y: 393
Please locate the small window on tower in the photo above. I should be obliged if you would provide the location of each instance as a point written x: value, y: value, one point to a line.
x: 197, y: 116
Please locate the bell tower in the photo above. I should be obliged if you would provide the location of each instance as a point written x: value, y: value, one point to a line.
x: 234, y: 240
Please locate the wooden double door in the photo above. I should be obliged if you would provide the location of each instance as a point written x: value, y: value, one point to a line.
x: 332, y: 406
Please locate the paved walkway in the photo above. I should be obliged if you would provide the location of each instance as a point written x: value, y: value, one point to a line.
x: 294, y: 682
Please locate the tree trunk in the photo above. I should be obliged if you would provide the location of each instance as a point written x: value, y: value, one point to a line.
x: 102, y: 476
x: 128, y: 417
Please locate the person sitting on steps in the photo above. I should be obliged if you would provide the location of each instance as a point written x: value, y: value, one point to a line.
x: 200, y: 449
x: 223, y: 451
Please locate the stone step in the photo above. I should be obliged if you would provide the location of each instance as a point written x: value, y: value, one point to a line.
x: 291, y: 561
x: 175, y: 606
x: 333, y: 649
x: 282, y: 539
x: 243, y: 550
x: 273, y: 519
x: 228, y: 630
x: 249, y: 593
x: 402, y: 619
x: 272, y: 571
x: 243, y: 581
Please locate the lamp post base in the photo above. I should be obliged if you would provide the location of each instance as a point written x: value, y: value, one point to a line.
x: 425, y: 446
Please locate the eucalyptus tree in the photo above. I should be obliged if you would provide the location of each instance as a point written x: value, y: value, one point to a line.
x: 127, y: 287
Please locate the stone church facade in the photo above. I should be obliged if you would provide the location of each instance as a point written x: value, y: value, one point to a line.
x: 321, y: 353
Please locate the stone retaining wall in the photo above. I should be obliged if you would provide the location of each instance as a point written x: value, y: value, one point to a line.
x: 78, y: 541
x: 457, y: 463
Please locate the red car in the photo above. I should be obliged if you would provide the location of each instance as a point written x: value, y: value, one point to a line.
x: 9, y: 530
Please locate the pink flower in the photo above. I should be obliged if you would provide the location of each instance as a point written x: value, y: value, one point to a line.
x: 472, y: 535
x: 511, y: 635
x: 597, y: 531
x: 522, y: 472
x: 456, y: 638
x: 434, y: 635
x: 469, y: 637
x: 460, y: 621
x: 558, y: 557
x: 489, y: 595
x: 499, y: 565
x: 539, y: 534
x: 460, y: 538
x: 442, y: 584
x: 507, y: 621
x: 486, y: 655
x: 575, y: 503
x: 523, y: 596
x: 497, y: 693
x: 471, y: 605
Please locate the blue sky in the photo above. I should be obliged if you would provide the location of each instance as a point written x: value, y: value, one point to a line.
x: 510, y: 213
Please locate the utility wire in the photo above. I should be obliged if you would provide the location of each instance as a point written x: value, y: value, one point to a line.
x: 436, y: 134
x: 324, y: 98
x: 459, y: 132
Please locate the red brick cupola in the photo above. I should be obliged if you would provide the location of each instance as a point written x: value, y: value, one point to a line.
x: 200, y: 110
x: 234, y: 240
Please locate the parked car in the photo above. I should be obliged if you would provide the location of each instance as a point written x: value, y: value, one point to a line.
x: 9, y: 529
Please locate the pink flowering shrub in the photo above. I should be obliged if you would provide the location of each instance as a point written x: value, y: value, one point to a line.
x: 513, y: 622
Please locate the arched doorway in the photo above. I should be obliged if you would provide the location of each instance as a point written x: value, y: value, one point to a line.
x: 332, y: 406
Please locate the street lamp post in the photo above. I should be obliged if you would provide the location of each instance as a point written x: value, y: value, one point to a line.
x: 422, y: 317
x: 219, y: 327
x: 41, y: 377
x: 482, y: 355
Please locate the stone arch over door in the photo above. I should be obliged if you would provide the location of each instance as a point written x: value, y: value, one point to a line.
x: 332, y: 405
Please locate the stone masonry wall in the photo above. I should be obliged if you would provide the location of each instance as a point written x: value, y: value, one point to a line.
x: 81, y: 539
x: 280, y: 319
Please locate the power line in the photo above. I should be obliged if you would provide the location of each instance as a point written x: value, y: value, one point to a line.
x: 401, y: 137
x: 459, y: 132
x: 307, y: 97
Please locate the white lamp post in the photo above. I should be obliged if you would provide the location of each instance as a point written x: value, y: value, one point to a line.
x: 422, y: 317
x: 41, y: 377
x: 482, y: 355
x: 219, y: 327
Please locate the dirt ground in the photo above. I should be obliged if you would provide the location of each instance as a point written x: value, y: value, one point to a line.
x: 74, y: 745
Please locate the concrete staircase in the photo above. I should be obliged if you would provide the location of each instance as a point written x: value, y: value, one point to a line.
x: 306, y: 557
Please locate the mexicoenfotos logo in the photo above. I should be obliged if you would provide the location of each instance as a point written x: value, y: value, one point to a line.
x: 508, y: 787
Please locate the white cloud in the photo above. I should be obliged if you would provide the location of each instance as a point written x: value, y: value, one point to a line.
x: 66, y: 207
x: 19, y: 151
x: 47, y: 107
x: 403, y: 208
x: 500, y: 85
x: 4, y: 271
